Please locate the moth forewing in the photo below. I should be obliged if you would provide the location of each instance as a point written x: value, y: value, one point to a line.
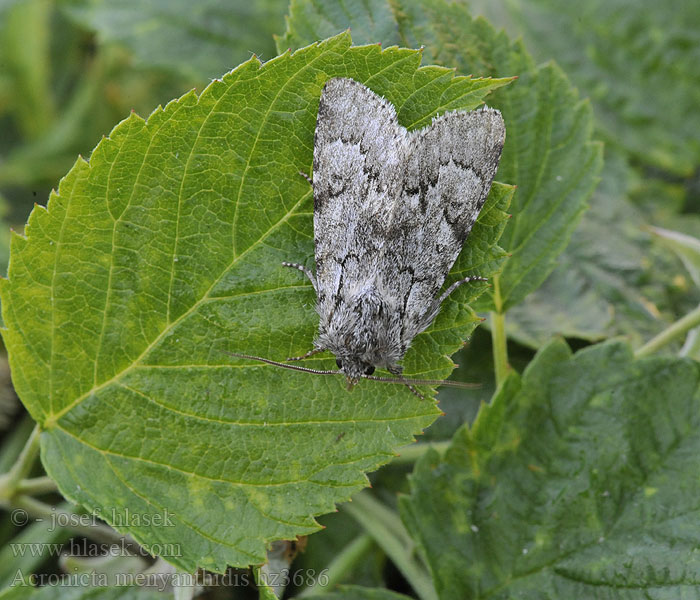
x: 392, y: 210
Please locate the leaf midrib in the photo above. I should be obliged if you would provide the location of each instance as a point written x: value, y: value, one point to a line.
x: 52, y: 418
x: 239, y: 483
x: 612, y: 529
x: 267, y: 423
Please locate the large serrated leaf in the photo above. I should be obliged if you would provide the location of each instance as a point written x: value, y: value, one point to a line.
x: 578, y: 481
x: 162, y: 254
x: 638, y: 63
x: 548, y: 153
x: 597, y: 289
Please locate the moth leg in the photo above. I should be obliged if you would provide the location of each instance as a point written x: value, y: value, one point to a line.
x: 309, y: 353
x: 397, y: 371
x: 435, y: 308
x: 454, y: 286
x: 305, y: 271
x: 305, y: 176
x: 414, y: 391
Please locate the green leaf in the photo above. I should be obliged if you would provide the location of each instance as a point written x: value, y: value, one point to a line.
x: 162, y: 254
x: 548, y: 151
x: 200, y: 39
x: 369, y: 20
x: 598, y: 288
x: 640, y: 67
x: 578, y: 481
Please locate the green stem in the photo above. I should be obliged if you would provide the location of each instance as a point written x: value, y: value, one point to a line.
x: 500, y: 348
x: 411, y: 453
x: 388, y: 517
x: 21, y: 468
x: 341, y: 565
x: 677, y: 329
x: 45, y: 512
x: 14, y: 441
x: 391, y: 536
x: 184, y: 592
x: 37, y: 486
x: 498, y: 335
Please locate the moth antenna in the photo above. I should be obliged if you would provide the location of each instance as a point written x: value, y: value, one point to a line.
x: 455, y: 384
x: 409, y: 383
x: 413, y: 389
x: 281, y: 364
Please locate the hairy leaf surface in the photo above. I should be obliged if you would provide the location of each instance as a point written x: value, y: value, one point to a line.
x: 578, y: 481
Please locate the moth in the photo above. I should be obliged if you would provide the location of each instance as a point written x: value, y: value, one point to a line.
x: 392, y: 210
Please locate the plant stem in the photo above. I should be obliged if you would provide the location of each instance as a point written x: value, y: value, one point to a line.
x: 341, y: 565
x: 183, y: 592
x: 390, y: 535
x: 498, y: 335
x: 13, y: 443
x: 389, y: 519
x: 500, y: 349
x: 683, y: 325
x: 45, y: 512
x: 21, y: 468
x: 411, y: 453
x: 36, y: 486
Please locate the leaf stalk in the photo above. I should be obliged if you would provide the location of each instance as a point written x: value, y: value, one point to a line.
x: 10, y: 481
x: 386, y: 529
x: 498, y: 335
x: 341, y: 565
x: 675, y: 330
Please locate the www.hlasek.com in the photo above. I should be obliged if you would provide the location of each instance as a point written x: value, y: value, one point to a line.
x: 83, y: 548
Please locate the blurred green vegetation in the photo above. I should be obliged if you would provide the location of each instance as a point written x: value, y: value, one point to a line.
x: 70, y: 70
x: 639, y: 63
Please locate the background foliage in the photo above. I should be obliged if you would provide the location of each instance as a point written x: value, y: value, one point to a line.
x: 575, y: 478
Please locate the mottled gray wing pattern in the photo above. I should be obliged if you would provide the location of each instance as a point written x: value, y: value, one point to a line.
x: 392, y: 210
x: 446, y: 179
x: 359, y: 155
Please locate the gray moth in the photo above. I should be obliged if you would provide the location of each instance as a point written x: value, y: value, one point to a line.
x: 392, y: 210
